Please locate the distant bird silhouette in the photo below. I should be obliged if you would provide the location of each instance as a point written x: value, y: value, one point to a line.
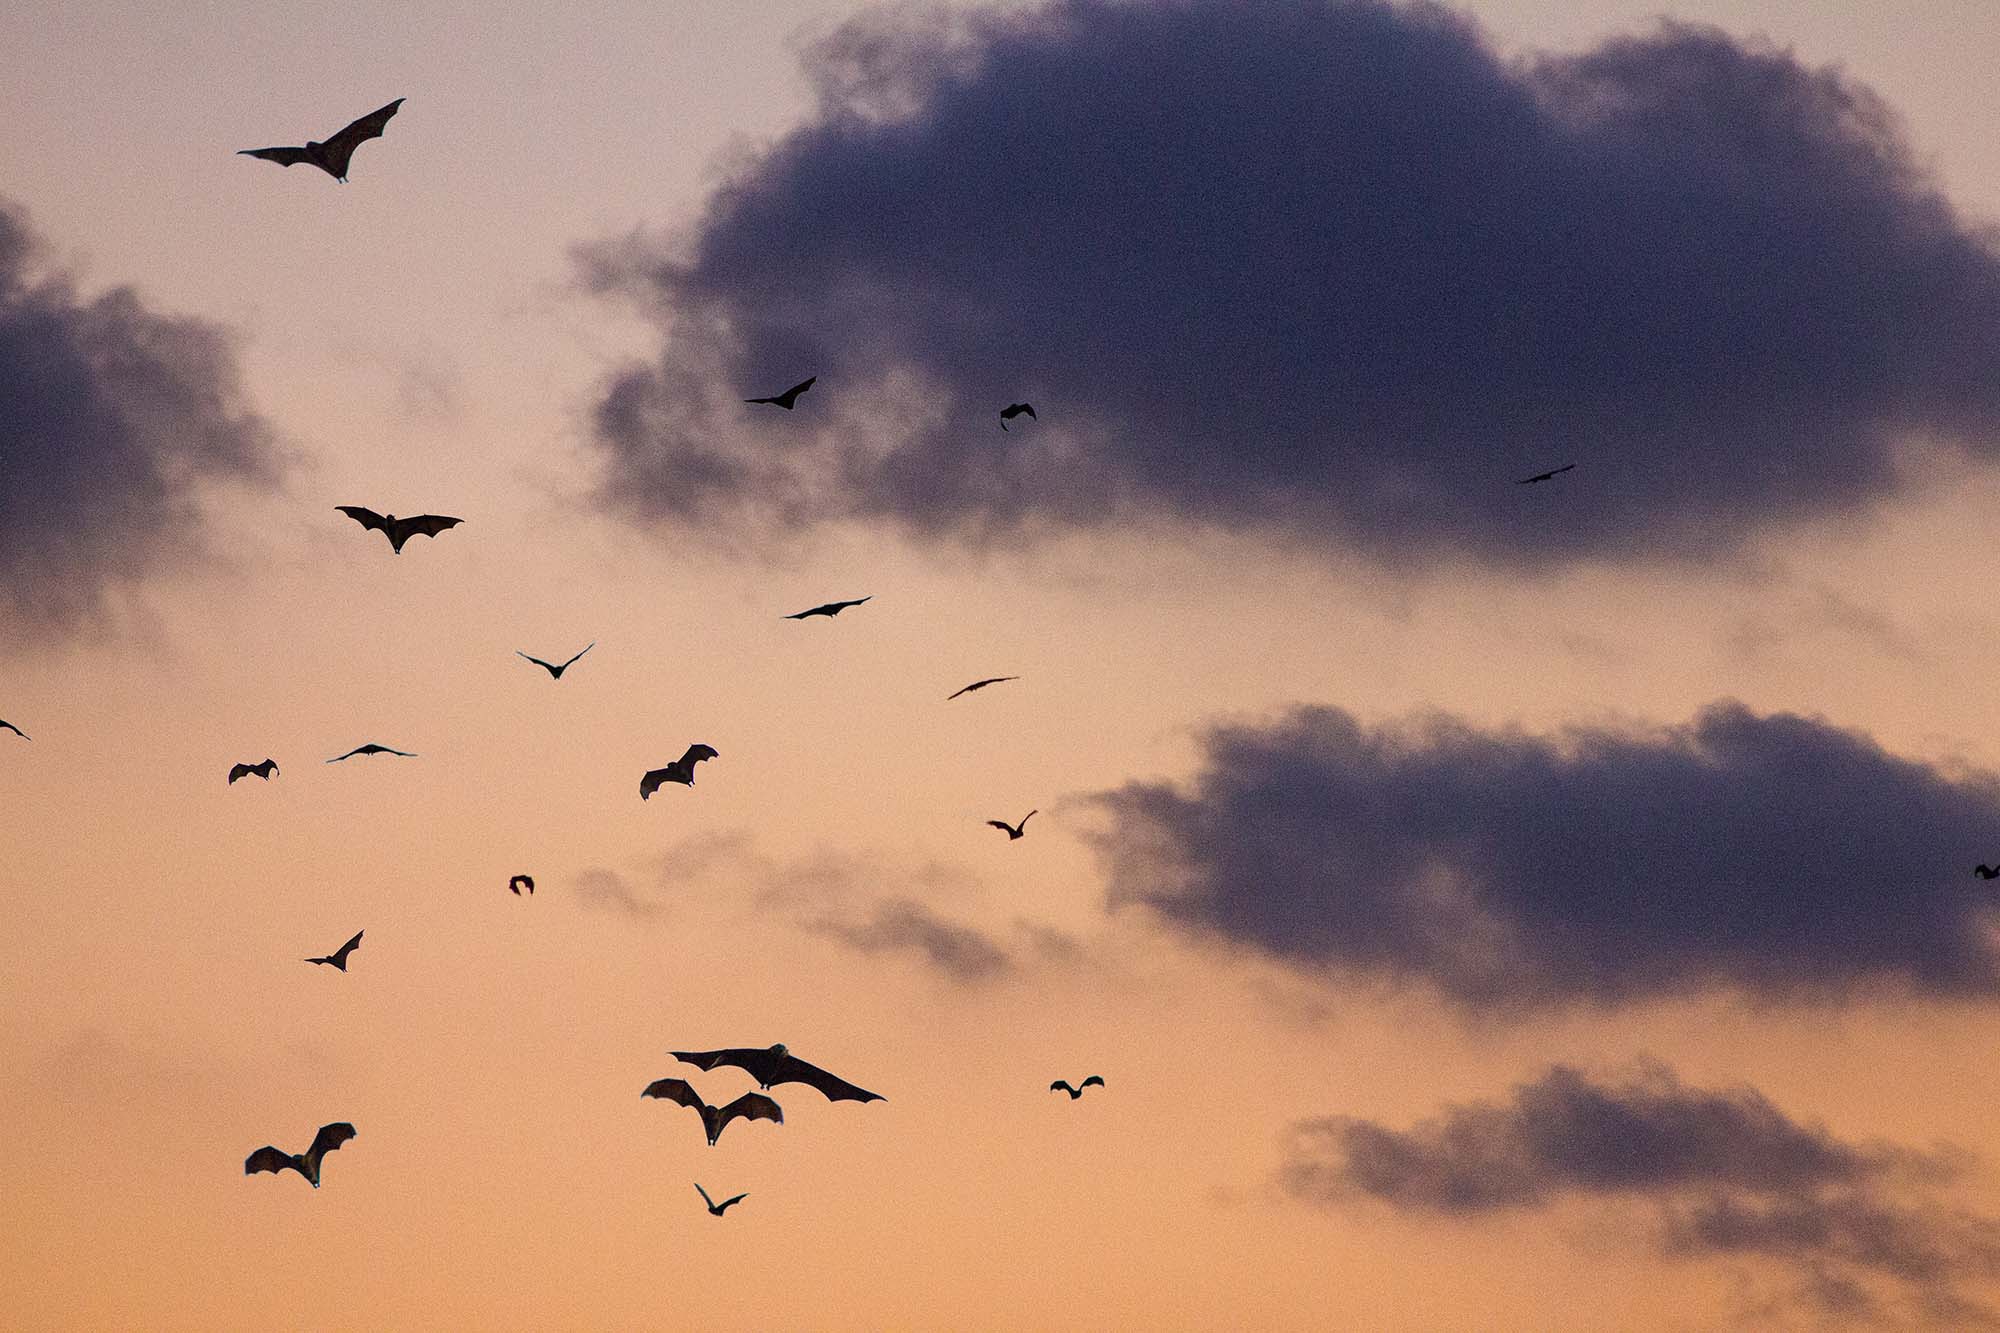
x: 331, y: 156
x: 681, y: 770
x: 556, y: 671
x: 1007, y: 414
x: 714, y: 1119
x: 789, y: 397
x: 306, y: 1163
x: 1076, y: 1091
x: 1013, y: 830
x: 1544, y: 476
x: 772, y: 1065
x: 399, y: 530
x: 979, y: 685
x: 17, y: 731
x: 829, y: 610
x: 263, y: 770
x: 717, y: 1209
x: 1986, y: 871
x: 370, y: 748
x: 520, y: 882
x: 338, y: 958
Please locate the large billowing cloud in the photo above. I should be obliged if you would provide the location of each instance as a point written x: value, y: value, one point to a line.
x: 1728, y: 1172
x: 113, y: 421
x: 1776, y: 854
x: 1331, y: 270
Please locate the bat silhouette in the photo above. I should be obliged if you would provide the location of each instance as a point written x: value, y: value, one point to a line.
x: 714, y: 1119
x: 555, y: 671
x: 399, y: 530
x: 979, y: 685
x: 331, y: 156
x: 520, y: 882
x: 1013, y: 830
x: 773, y: 1065
x: 305, y: 1163
x: 681, y: 770
x: 338, y: 958
x: 1544, y: 476
x: 17, y: 731
x: 1007, y: 414
x: 1986, y: 871
x: 1076, y: 1091
x: 789, y: 397
x: 370, y: 748
x: 263, y: 770
x: 717, y: 1209
x: 830, y: 609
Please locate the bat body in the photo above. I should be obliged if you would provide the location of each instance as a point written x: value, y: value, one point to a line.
x: 520, y: 882
x: 772, y: 1065
x: 333, y: 155
x: 750, y: 1106
x: 1986, y: 871
x: 789, y: 397
x: 1545, y: 476
x: 1013, y: 410
x: 1076, y: 1091
x: 717, y: 1209
x: 338, y: 958
x: 555, y: 671
x: 400, y: 530
x: 263, y: 770
x: 830, y: 609
x: 305, y: 1163
x: 681, y: 770
x: 16, y: 730
x: 978, y: 685
x: 370, y: 748
x: 1013, y: 830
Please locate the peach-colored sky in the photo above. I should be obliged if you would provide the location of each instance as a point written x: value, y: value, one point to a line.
x: 415, y: 337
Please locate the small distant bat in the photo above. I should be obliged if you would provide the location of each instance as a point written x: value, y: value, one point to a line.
x: 789, y: 397
x: 681, y: 770
x: 1544, y: 476
x: 717, y: 1209
x: 370, y: 748
x: 263, y: 770
x: 306, y: 1163
x: 17, y: 731
x: 556, y: 671
x: 829, y: 610
x: 520, y: 882
x: 338, y: 958
x: 1013, y: 830
x: 979, y: 685
x: 1007, y: 414
x: 771, y: 1065
x: 331, y: 156
x: 1986, y: 871
x: 714, y: 1119
x: 1076, y: 1091
x: 399, y: 530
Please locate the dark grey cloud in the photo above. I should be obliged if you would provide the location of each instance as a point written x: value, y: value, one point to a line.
x: 903, y: 925
x: 1777, y: 854
x: 1728, y: 1173
x: 114, y: 420
x: 1336, y: 272
x: 607, y: 890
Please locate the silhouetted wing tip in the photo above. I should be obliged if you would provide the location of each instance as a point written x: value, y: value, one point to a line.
x: 266, y: 1158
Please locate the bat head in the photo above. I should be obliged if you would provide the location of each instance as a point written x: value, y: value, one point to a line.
x: 779, y: 1051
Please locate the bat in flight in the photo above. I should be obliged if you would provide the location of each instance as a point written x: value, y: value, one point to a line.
x: 1544, y: 476
x: 370, y: 748
x: 1013, y: 410
x: 263, y: 770
x: 399, y: 530
x: 717, y: 1209
x: 714, y: 1119
x: 789, y: 397
x: 1986, y: 871
x: 1076, y: 1091
x: 1013, y: 830
x: 331, y: 156
x: 978, y: 685
x: 520, y: 882
x: 16, y: 730
x: 830, y: 609
x: 681, y: 770
x: 305, y: 1163
x: 773, y: 1065
x: 338, y: 958
x: 555, y: 671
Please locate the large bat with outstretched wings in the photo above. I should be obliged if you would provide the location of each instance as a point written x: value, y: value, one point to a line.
x: 263, y: 770
x: 399, y: 530
x: 681, y: 770
x: 772, y: 1065
x: 333, y: 155
x: 305, y: 1163
x: 750, y: 1106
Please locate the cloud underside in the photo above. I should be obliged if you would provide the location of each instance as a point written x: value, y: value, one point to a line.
x: 1774, y: 855
x: 1333, y: 272
x: 1726, y: 1174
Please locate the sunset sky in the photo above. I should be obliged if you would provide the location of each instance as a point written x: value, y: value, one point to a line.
x: 1489, y: 906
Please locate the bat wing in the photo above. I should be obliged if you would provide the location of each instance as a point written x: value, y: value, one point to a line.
x: 1004, y: 828
x: 340, y: 954
x: 1025, y: 818
x: 425, y: 525
x: 349, y: 755
x: 239, y: 771
x: 16, y: 730
x: 740, y: 1056
x: 704, y: 1194
x: 365, y: 516
x: 791, y: 1069
x: 675, y: 1090
x: 330, y: 1136
x: 650, y: 784
x: 1062, y: 1085
x: 267, y: 1158
x: 284, y: 157
x: 537, y: 661
x: 723, y: 1207
x: 836, y: 608
x: 695, y: 754
x: 340, y: 148
x: 750, y: 1106
x: 572, y: 661
x: 1092, y: 1079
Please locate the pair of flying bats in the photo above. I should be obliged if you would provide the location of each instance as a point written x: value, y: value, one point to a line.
x: 770, y: 1066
